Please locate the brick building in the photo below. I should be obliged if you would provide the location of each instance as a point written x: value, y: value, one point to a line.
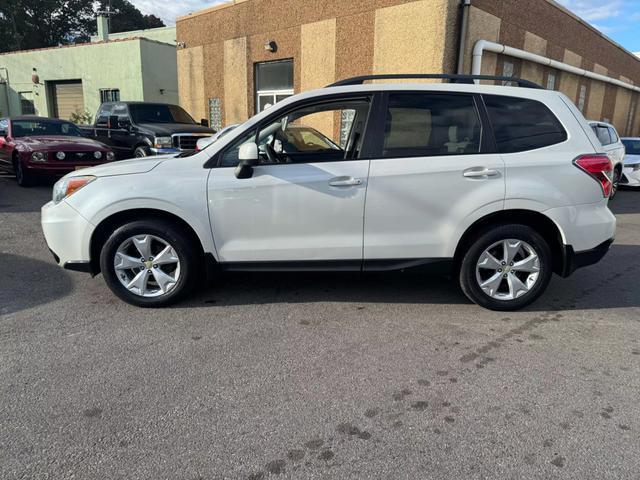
x: 237, y: 58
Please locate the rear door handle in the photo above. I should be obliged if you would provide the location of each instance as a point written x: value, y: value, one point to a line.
x: 480, y: 172
x: 345, y: 182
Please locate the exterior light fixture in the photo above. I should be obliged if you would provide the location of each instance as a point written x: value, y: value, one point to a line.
x: 271, y: 46
x: 35, y: 78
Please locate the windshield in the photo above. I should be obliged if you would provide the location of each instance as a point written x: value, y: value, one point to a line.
x: 30, y: 128
x: 632, y: 146
x: 159, y: 113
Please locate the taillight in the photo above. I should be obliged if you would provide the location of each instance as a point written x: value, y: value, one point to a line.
x: 599, y: 167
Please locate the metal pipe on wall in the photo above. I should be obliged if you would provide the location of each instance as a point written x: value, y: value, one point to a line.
x: 464, y: 26
x: 6, y: 90
x: 482, y: 46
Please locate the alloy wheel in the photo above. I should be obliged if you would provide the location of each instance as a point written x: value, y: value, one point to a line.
x: 508, y: 269
x: 147, y: 265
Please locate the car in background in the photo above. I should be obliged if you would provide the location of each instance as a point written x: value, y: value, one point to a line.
x: 32, y: 146
x: 614, y: 148
x: 631, y: 171
x: 141, y: 129
x: 204, y: 142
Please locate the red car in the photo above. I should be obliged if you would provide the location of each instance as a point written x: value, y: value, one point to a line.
x: 32, y: 146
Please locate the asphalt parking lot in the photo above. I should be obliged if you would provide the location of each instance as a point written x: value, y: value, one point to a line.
x: 393, y: 376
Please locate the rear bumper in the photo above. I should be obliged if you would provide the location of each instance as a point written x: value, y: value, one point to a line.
x: 575, y: 260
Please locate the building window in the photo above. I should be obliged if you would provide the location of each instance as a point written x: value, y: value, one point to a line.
x: 582, y: 99
x: 507, y: 71
x: 215, y: 113
x: 109, y: 95
x: 551, y: 81
x: 274, y: 82
x: 27, y: 107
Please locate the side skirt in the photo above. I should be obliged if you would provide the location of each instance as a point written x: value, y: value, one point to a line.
x: 431, y: 265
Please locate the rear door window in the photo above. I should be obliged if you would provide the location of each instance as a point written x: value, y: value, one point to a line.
x: 431, y: 124
x: 603, y: 135
x: 613, y: 135
x: 521, y: 124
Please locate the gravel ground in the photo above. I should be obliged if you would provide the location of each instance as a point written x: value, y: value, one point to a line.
x: 315, y: 376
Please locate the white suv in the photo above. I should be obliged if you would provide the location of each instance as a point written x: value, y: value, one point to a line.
x: 501, y: 186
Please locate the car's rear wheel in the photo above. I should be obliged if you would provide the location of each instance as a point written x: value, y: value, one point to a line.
x: 506, y: 267
x: 150, y: 263
x: 23, y: 177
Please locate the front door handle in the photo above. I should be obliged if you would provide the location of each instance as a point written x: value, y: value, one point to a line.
x: 345, y: 182
x: 480, y: 172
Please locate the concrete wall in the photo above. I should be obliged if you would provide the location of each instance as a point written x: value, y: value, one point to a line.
x: 159, y: 72
x: 116, y: 64
x: 161, y: 34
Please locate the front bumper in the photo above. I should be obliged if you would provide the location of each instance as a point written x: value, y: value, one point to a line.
x: 65, y: 232
x: 165, y: 151
x: 575, y: 260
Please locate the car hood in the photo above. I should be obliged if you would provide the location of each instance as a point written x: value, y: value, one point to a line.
x: 57, y: 143
x: 632, y: 159
x: 123, y: 167
x: 167, y: 129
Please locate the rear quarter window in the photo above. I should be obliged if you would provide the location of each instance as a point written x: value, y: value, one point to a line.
x: 521, y: 124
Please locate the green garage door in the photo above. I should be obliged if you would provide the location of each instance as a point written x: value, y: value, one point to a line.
x: 67, y: 98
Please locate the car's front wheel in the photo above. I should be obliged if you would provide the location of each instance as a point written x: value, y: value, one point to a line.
x: 23, y: 177
x: 141, y: 152
x: 506, y: 267
x: 150, y: 263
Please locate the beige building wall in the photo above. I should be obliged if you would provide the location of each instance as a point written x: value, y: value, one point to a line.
x: 569, y: 82
x: 622, y: 108
x: 411, y: 37
x: 538, y: 45
x: 482, y: 26
x: 191, y: 81
x: 318, y: 58
x: 596, y: 96
x: 236, y: 107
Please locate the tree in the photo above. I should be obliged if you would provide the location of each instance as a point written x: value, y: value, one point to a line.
x: 27, y: 24
x: 127, y: 17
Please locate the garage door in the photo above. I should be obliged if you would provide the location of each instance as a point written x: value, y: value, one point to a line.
x: 67, y: 99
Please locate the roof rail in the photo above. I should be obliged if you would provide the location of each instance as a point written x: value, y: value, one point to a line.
x: 469, y: 79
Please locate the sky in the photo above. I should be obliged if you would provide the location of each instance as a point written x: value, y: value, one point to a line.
x: 618, y: 19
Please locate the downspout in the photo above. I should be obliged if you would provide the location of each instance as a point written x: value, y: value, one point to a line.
x: 482, y: 46
x: 464, y: 26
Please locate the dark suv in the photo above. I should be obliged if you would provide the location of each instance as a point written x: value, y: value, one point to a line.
x: 139, y: 129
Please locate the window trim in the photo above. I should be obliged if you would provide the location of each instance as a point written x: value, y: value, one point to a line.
x: 486, y: 141
x: 369, y: 131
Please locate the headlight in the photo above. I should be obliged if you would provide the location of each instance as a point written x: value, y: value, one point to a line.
x: 163, y: 142
x: 111, y: 156
x: 68, y: 186
x: 38, y: 157
x: 97, y: 155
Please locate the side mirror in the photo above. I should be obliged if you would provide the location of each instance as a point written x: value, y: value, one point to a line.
x: 204, y: 122
x: 248, y: 158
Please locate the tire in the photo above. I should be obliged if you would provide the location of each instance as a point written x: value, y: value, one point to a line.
x: 506, y: 293
x: 141, y: 152
x: 615, y: 183
x: 149, y: 236
x: 23, y: 177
